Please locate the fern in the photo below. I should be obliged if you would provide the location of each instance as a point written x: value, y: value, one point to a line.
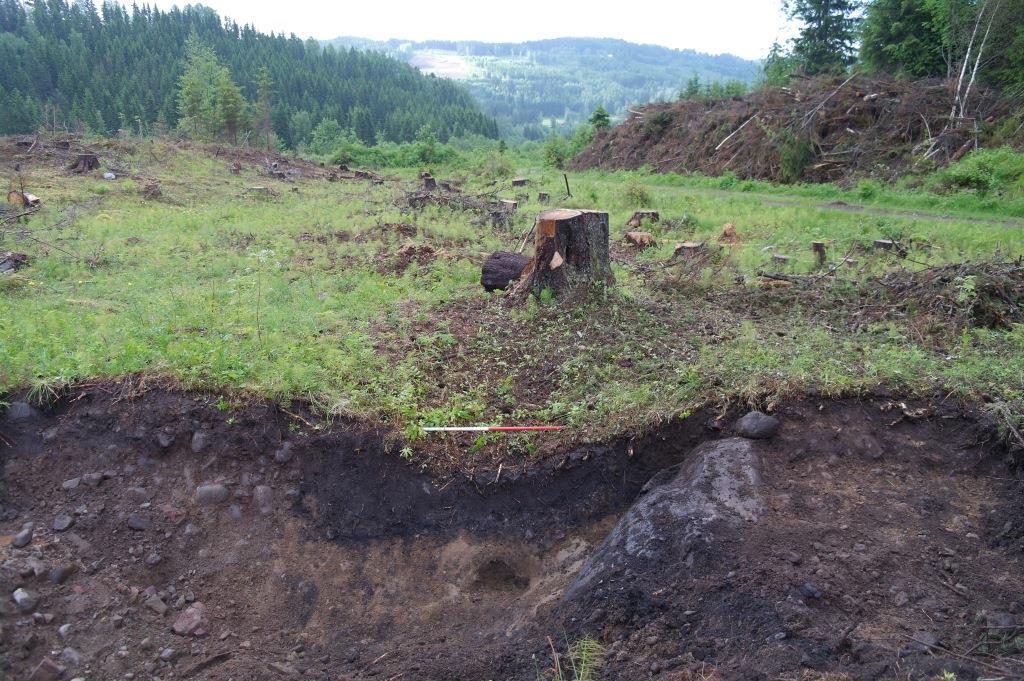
x: 585, y: 657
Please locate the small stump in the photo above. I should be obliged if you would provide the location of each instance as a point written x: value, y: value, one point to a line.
x: 22, y: 199
x: 689, y: 249
x: 640, y: 239
x: 820, y: 254
x: 641, y: 215
x: 85, y: 163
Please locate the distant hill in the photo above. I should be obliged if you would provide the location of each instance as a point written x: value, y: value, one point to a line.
x: 116, y: 68
x: 563, y: 79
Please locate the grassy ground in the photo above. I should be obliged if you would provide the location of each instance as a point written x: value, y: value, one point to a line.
x: 305, y: 295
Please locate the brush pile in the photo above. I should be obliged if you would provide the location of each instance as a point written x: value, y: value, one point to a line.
x: 960, y: 295
x: 815, y: 130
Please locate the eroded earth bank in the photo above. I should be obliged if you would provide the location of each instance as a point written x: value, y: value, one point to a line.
x: 151, y: 535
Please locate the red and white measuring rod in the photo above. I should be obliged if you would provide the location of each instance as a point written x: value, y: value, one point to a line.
x: 490, y: 429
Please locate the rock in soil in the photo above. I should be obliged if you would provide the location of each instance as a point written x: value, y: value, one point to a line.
x: 211, y: 495
x: 46, y: 670
x: 139, y: 522
x: 156, y: 604
x: 200, y: 441
x: 189, y: 621
x: 19, y: 411
x: 263, y: 498
x: 283, y: 453
x: 26, y: 600
x: 62, y: 522
x: 757, y: 426
x: 22, y: 539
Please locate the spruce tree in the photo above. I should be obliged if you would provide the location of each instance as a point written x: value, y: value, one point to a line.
x: 903, y: 37
x: 600, y: 119
x: 264, y: 94
x: 230, y: 105
x: 827, y: 35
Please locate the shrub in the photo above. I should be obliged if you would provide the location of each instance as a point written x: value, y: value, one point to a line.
x: 495, y: 167
x: 658, y: 123
x: 985, y: 171
x: 637, y: 194
x: 728, y: 180
x: 868, y: 189
x: 556, y: 151
x: 794, y: 155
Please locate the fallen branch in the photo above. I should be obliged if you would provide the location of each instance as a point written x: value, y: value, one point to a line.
x: 734, y: 132
x: 810, y: 114
x: 4, y: 219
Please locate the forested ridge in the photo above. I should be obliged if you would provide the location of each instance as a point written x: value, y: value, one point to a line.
x: 563, y: 79
x: 111, y: 68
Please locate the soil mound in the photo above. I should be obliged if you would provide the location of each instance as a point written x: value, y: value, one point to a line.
x: 816, y: 130
x: 159, y: 535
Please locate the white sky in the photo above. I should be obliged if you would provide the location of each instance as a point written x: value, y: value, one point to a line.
x: 742, y: 27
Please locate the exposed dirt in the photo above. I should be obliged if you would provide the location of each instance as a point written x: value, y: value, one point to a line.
x: 325, y: 555
x: 829, y: 129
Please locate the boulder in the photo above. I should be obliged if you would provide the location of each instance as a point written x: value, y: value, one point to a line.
x: 678, y: 512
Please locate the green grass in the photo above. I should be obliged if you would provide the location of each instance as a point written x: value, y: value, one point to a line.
x: 298, y: 297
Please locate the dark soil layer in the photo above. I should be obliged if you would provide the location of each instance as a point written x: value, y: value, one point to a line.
x: 318, y: 554
x: 816, y: 130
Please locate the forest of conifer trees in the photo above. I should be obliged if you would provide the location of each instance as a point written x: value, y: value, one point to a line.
x: 109, y: 68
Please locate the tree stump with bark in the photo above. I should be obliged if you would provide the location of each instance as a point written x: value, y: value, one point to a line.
x: 820, y: 254
x: 22, y: 199
x: 641, y: 215
x: 502, y: 270
x: 85, y: 163
x: 429, y: 183
x: 570, y: 253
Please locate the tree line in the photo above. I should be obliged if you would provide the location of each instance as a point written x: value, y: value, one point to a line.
x: 972, y: 41
x: 109, y: 68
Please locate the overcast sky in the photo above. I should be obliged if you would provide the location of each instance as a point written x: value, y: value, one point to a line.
x: 743, y: 27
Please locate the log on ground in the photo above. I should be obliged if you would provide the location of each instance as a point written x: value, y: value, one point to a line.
x: 502, y: 269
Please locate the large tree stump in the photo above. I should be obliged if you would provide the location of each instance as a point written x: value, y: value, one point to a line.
x: 85, y: 163
x: 570, y: 252
x: 502, y: 269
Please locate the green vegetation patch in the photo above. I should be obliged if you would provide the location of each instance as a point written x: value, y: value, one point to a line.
x: 340, y: 294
